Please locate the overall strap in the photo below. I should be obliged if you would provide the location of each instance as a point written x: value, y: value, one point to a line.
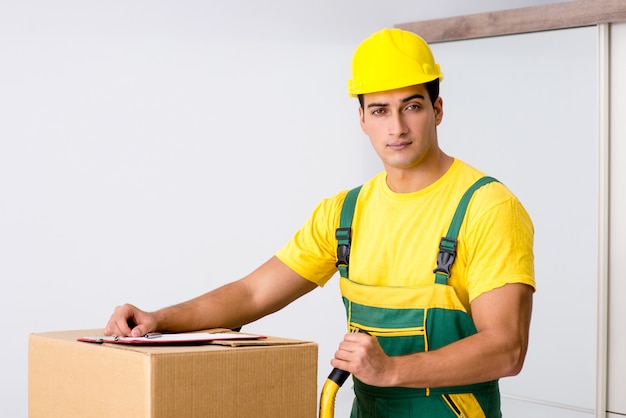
x: 344, y: 232
x: 447, y: 245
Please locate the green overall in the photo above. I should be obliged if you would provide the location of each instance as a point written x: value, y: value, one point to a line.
x: 413, y: 319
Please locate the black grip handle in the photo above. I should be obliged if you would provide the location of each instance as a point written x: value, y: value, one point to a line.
x: 338, y: 376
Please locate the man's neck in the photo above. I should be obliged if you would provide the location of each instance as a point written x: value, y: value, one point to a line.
x: 417, y: 178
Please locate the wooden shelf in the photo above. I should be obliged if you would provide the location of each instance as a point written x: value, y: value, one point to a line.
x: 528, y: 19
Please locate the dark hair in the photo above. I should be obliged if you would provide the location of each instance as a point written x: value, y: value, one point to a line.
x: 432, y: 87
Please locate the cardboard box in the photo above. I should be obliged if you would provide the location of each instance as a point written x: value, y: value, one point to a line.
x: 274, y: 378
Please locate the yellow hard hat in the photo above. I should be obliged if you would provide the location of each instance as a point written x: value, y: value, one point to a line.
x: 391, y: 59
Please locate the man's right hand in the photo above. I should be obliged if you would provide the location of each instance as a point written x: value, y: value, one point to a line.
x: 128, y: 320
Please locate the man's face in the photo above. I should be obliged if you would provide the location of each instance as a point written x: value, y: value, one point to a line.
x: 401, y: 125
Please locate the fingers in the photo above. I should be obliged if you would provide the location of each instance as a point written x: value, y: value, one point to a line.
x: 362, y: 355
x: 352, y: 352
x: 124, y: 317
x: 118, y: 322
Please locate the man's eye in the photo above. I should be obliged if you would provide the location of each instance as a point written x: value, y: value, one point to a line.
x: 378, y: 111
x: 413, y: 107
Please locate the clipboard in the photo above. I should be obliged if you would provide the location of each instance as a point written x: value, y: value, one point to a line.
x: 157, y: 338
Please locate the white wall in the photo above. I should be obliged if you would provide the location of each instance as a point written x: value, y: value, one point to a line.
x: 152, y: 150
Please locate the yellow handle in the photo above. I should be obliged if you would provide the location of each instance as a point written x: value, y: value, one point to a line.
x: 329, y: 392
x: 327, y: 399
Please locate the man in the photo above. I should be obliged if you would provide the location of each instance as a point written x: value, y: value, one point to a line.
x: 435, y: 342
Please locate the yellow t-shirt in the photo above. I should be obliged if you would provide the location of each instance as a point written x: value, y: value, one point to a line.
x: 395, y: 236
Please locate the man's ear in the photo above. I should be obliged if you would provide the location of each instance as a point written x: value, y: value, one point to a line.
x: 438, y: 107
x: 362, y: 119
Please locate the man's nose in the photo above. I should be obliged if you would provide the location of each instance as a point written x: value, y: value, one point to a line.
x: 397, y: 125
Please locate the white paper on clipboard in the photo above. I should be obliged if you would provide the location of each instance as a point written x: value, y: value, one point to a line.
x: 177, y: 338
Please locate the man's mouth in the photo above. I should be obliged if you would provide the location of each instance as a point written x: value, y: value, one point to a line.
x: 399, y: 145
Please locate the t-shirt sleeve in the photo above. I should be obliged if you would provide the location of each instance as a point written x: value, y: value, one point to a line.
x: 500, y: 248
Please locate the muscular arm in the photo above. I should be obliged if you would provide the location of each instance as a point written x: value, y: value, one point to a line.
x: 267, y: 289
x: 502, y: 318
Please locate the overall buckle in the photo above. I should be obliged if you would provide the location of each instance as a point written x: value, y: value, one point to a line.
x: 446, y: 256
x: 343, y: 235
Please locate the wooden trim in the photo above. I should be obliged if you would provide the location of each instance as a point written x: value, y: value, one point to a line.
x: 528, y: 19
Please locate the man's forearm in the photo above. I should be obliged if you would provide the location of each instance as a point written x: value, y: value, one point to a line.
x: 228, y: 306
x: 478, y: 358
